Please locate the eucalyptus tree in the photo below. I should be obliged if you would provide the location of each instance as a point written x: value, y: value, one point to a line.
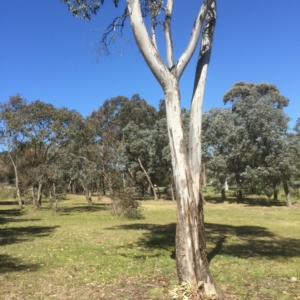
x: 261, y: 144
x: 105, y: 127
x: 136, y: 145
x: 12, y: 134
x: 217, y: 132
x: 48, y: 130
x: 192, y: 264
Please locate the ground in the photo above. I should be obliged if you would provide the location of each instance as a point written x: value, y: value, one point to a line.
x: 82, y: 252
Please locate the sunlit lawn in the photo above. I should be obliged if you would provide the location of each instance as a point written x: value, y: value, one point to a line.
x: 83, y: 253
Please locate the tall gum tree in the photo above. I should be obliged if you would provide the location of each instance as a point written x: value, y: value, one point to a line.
x: 192, y: 264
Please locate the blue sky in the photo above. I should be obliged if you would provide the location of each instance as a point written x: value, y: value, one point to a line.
x: 48, y: 54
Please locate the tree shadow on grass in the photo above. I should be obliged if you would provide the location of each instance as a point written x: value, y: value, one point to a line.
x: 237, y: 241
x: 13, y: 215
x: 13, y: 264
x: 9, y: 202
x: 155, y: 236
x: 12, y: 235
x: 82, y: 208
x: 246, y: 200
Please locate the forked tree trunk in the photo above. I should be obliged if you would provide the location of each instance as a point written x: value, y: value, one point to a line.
x: 192, y: 263
x: 148, y: 179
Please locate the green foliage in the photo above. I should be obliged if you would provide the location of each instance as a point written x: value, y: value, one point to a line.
x: 250, y: 143
x: 84, y: 9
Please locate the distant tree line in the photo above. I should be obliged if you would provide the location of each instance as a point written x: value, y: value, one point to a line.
x: 122, y: 148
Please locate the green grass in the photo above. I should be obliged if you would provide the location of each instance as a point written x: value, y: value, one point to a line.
x: 83, y: 253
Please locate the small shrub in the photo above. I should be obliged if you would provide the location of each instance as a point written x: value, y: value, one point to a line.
x: 126, y: 205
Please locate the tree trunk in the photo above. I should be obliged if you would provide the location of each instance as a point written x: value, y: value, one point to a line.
x: 88, y: 197
x: 39, y: 195
x: 87, y: 193
x: 35, y: 202
x: 275, y: 196
x: 239, y: 195
x: 17, y: 181
x: 148, y: 179
x: 114, y: 205
x: 223, y: 193
x: 226, y: 186
x: 192, y: 263
x: 286, y: 191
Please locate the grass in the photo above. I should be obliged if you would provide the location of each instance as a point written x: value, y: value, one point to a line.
x: 84, y: 253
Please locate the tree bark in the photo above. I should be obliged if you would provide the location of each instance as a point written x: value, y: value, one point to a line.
x: 286, y: 191
x: 148, y: 179
x: 192, y: 264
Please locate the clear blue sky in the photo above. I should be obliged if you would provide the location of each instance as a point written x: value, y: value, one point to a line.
x: 45, y: 53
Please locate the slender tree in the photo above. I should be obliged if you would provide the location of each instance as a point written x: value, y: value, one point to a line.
x: 12, y: 135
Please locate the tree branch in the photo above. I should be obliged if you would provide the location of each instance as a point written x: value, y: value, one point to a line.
x: 145, y: 44
x: 111, y: 32
x: 167, y: 29
x: 192, y: 44
x: 194, y: 147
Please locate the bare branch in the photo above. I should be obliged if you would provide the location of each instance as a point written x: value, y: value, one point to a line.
x: 110, y: 35
x: 192, y: 44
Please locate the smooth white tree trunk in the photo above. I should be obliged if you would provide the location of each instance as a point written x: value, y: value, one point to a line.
x: 192, y: 264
